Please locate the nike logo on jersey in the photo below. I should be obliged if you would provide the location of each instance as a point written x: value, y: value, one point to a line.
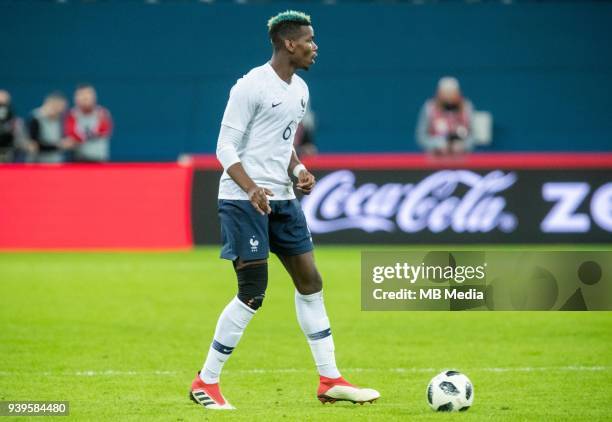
x: 274, y: 105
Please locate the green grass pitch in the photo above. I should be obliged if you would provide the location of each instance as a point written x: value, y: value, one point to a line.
x: 121, y: 336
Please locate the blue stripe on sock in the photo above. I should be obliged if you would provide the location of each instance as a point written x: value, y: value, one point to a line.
x: 221, y: 348
x: 320, y: 334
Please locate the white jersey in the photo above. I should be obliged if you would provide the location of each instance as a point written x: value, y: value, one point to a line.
x: 267, y: 110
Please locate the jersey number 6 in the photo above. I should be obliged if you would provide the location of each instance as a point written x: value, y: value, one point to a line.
x: 287, y: 132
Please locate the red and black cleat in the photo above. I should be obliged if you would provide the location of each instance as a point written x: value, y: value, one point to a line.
x: 208, y: 395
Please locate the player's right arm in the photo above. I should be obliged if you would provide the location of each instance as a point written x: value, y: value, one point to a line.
x: 229, y: 138
x: 241, y: 107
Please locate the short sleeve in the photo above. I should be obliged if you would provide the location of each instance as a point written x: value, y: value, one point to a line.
x: 241, y: 106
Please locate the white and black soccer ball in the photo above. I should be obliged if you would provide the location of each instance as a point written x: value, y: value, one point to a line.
x: 450, y: 391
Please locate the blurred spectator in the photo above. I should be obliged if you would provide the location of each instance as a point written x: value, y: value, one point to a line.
x: 46, y: 129
x: 13, y: 142
x: 304, y: 142
x: 445, y: 121
x: 89, y: 126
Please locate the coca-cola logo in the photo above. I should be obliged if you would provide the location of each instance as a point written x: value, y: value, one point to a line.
x: 433, y: 204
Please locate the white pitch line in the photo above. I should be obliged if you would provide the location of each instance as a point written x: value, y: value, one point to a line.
x: 112, y: 372
x: 117, y: 373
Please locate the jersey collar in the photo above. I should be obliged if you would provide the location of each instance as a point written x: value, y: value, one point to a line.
x: 284, y: 84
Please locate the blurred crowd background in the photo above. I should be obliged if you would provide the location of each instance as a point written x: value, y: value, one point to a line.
x: 148, y: 80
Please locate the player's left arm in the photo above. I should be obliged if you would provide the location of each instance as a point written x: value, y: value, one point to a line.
x: 306, y: 180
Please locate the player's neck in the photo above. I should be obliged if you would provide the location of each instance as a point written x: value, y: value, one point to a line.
x: 283, y: 68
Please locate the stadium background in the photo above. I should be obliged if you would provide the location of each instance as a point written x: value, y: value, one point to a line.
x: 165, y: 69
x: 128, y: 328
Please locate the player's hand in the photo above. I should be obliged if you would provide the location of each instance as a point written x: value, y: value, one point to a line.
x: 306, y: 182
x: 259, y: 199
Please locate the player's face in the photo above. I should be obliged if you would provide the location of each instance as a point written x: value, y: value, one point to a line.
x: 305, y: 49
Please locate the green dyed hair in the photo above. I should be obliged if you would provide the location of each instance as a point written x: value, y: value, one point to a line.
x: 286, y: 25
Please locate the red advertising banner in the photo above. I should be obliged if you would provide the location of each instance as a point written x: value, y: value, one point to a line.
x: 98, y: 206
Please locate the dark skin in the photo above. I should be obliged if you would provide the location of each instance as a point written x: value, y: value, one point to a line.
x: 294, y: 54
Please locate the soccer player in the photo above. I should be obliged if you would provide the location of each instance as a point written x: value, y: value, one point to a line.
x: 259, y: 212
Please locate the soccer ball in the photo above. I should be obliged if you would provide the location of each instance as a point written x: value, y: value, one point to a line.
x: 450, y: 391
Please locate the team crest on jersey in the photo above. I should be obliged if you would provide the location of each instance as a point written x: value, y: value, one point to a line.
x: 254, y: 244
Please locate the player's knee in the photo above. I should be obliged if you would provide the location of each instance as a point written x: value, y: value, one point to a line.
x: 252, y: 283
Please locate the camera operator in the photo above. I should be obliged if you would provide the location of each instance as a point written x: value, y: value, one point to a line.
x: 444, y: 127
